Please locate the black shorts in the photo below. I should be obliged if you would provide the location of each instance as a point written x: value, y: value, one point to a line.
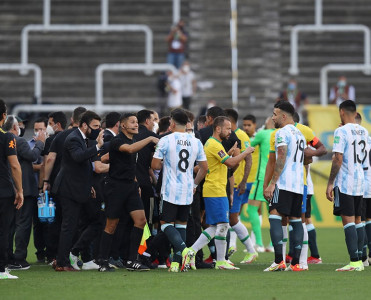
x: 347, y: 205
x: 286, y: 203
x: 366, y: 209
x: 308, y: 212
x: 122, y: 197
x: 172, y: 212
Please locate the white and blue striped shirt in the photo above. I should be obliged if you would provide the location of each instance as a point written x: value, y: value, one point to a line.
x: 351, y: 141
x: 179, y: 152
x: 367, y: 169
x: 292, y: 176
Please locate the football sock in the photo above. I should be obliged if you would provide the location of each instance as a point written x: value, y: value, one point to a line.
x: 368, y: 234
x: 212, y: 249
x: 276, y: 237
x: 135, y: 239
x: 297, y: 239
x: 351, y: 240
x: 220, y: 240
x: 182, y: 229
x: 291, y: 246
x: 105, y: 245
x: 233, y: 238
x: 255, y: 223
x: 243, y: 235
x: 361, y: 237
x: 175, y: 239
x: 284, y: 242
x: 364, y: 252
x: 205, y: 237
x: 312, y: 240
x: 304, y: 250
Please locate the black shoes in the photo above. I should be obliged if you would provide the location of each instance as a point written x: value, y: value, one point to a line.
x: 19, y: 265
x: 136, y: 266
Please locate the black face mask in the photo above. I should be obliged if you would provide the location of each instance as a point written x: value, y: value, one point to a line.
x: 22, y: 131
x: 93, y: 133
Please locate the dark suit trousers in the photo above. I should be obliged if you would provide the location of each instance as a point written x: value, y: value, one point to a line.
x: 39, y: 235
x: 6, y: 217
x: 53, y: 231
x: 23, y: 225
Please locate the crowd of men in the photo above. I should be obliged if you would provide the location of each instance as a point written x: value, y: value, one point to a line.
x: 185, y: 185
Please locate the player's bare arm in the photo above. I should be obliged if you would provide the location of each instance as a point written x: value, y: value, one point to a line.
x: 337, y: 160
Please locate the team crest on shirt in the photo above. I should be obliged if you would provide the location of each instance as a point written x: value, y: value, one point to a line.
x: 279, y: 140
x: 221, y: 153
x: 247, y: 144
x: 336, y: 139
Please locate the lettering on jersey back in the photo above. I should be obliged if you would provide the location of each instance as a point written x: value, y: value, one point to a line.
x: 184, y: 143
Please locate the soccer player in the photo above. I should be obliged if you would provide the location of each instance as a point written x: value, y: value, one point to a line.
x: 256, y: 196
x: 240, y: 193
x: 346, y: 182
x: 177, y: 154
x: 214, y: 191
x: 285, y: 190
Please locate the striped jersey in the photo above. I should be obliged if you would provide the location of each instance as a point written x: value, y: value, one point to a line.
x: 351, y: 141
x: 367, y: 170
x: 179, y: 152
x: 292, y: 176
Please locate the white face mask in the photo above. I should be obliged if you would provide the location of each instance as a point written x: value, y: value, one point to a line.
x: 49, y: 130
x: 19, y: 131
x: 155, y: 127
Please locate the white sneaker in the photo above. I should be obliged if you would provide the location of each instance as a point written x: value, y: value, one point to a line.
x: 163, y: 266
x: 73, y: 261
x: 6, y: 275
x: 90, y: 265
x: 366, y: 263
x: 259, y: 249
x: 269, y: 249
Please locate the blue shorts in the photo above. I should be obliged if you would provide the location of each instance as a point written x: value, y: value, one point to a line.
x: 238, y: 200
x: 217, y: 210
x: 304, y: 203
x: 247, y: 192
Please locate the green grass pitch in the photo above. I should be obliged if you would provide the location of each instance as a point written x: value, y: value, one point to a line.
x: 250, y: 282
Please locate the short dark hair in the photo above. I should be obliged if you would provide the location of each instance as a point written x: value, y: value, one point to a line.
x: 349, y: 106
x: 179, y: 116
x: 59, y: 117
x: 88, y: 116
x: 285, y: 106
x: 163, y: 124
x: 202, y: 119
x: 190, y: 115
x: 358, y: 116
x: 126, y: 116
x: 219, y: 121
x: 3, y: 108
x: 42, y: 120
x: 77, y: 113
x: 296, y: 117
x: 232, y: 114
x: 112, y: 118
x: 215, y: 112
x: 251, y: 118
x: 144, y: 115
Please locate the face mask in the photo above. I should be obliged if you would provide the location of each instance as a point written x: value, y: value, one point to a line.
x: 19, y: 131
x: 49, y: 130
x: 155, y: 127
x: 341, y: 83
x: 93, y: 133
x: 291, y: 86
x: 186, y: 68
x: 22, y: 131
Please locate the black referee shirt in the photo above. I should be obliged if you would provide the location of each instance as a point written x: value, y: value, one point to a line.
x: 7, y: 148
x: 207, y: 132
x: 122, y: 164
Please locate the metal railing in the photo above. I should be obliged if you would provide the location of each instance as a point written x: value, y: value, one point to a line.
x: 319, y: 27
x: 123, y: 68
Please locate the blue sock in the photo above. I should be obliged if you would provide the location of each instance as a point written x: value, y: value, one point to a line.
x: 361, y: 238
x: 351, y: 240
x: 175, y: 239
x: 276, y: 237
x: 297, y: 239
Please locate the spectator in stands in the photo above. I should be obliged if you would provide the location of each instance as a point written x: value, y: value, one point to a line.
x: 342, y: 91
x: 176, y: 41
x: 189, y: 84
x: 293, y: 95
x: 174, y: 99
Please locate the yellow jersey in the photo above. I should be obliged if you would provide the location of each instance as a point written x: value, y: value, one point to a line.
x: 216, y: 178
x: 245, y: 143
x: 309, y: 136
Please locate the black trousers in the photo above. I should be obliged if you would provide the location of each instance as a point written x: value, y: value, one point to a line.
x: 6, y: 217
x: 39, y: 235
x: 23, y: 225
x: 53, y: 231
x: 146, y: 195
x: 70, y: 219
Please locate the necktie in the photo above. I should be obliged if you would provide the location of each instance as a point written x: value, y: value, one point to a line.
x: 87, y: 142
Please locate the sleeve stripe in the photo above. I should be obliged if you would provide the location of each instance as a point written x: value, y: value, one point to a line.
x: 225, y: 158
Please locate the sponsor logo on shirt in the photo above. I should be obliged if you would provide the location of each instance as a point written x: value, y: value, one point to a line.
x: 12, y: 144
x: 221, y: 153
x: 336, y: 139
x: 279, y: 140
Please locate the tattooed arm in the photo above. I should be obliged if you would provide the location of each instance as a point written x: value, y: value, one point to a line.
x: 337, y: 160
x: 280, y: 163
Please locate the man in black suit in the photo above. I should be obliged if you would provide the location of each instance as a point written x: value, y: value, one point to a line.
x: 21, y: 228
x: 74, y: 182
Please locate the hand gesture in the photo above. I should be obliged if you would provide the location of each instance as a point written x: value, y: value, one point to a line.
x: 100, y: 139
x: 231, y: 151
x: 41, y: 136
x: 154, y: 140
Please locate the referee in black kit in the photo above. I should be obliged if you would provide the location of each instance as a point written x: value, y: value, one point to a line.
x: 122, y: 192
